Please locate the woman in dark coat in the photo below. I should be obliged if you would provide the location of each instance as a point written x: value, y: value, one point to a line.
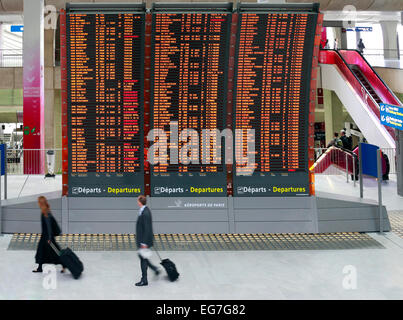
x: 45, y: 254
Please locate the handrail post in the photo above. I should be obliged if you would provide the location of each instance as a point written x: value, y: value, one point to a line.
x: 1, y: 208
x: 360, y: 170
x: 347, y: 166
x: 379, y: 167
x: 353, y: 169
x: 5, y: 171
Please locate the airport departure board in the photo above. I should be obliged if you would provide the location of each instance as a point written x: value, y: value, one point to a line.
x: 192, y: 80
x: 105, y: 103
x: 190, y: 60
x: 273, y: 66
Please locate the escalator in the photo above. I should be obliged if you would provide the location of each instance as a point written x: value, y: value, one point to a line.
x: 361, y: 90
x: 365, y: 82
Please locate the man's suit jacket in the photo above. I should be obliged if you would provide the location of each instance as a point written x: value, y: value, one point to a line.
x: 144, y: 228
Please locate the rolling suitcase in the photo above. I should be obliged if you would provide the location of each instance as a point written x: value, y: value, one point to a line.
x: 169, y: 267
x: 70, y: 260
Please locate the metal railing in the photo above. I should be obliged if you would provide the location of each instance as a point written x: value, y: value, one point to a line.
x: 377, y: 51
x: 11, y: 58
x: 381, y: 52
x: 376, y: 57
x: 391, y: 155
x: 338, y: 161
x: 24, y: 168
x: 17, y: 159
x: 335, y: 161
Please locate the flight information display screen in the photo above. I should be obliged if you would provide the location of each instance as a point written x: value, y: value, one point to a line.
x: 105, y: 103
x: 273, y: 66
x: 189, y: 89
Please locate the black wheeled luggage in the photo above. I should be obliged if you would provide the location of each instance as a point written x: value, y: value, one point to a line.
x: 70, y: 260
x: 169, y: 267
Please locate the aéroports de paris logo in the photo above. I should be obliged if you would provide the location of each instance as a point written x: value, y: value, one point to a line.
x: 178, y: 204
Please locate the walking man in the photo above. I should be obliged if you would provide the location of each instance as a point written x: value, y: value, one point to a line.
x: 336, y: 44
x: 144, y: 239
x: 361, y: 46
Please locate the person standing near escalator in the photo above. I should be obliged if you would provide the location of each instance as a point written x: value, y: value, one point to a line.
x: 336, y: 44
x: 361, y: 46
x: 336, y: 141
x: 346, y: 141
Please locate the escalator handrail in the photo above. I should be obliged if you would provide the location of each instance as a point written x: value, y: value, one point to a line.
x: 346, y: 151
x: 386, y: 86
x: 350, y: 152
x: 397, y: 101
x: 371, y: 102
x: 376, y: 111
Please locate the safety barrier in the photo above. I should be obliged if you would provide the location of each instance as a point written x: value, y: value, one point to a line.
x: 339, y: 161
x: 18, y: 159
x: 335, y: 161
x: 391, y: 156
x: 10, y: 58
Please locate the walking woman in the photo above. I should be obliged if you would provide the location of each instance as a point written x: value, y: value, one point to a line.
x: 50, y: 229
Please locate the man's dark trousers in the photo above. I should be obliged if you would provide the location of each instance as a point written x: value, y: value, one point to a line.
x: 144, y: 264
x: 145, y: 235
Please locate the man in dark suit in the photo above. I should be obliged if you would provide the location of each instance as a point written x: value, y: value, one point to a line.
x: 144, y: 238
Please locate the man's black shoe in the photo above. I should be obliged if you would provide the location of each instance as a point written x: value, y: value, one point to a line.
x: 141, y: 283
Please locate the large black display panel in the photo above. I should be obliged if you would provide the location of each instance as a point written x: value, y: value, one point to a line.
x: 273, y: 67
x: 105, y: 52
x: 189, y: 88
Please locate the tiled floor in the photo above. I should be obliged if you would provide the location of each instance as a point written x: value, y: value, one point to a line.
x: 337, y: 184
x: 242, y: 274
x: 264, y: 274
x: 396, y: 220
x: 205, y: 242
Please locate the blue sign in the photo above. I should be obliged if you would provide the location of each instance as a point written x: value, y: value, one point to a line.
x: 3, y: 158
x: 360, y: 29
x: 391, y: 116
x: 16, y: 28
x: 369, y: 162
x: 363, y: 29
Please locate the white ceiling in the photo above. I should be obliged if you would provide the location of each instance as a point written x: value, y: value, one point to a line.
x: 362, y: 16
x: 11, y: 10
x: 11, y: 18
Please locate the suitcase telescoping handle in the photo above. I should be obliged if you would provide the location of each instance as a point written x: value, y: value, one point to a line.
x: 54, y: 248
x: 156, y: 251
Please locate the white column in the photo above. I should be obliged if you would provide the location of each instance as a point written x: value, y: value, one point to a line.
x: 389, y: 32
x: 1, y: 44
